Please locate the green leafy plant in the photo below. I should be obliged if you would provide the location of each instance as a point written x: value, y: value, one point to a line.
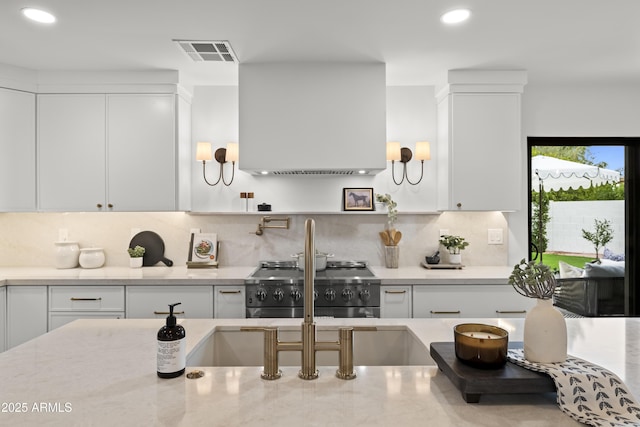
x: 392, y: 211
x: 533, y: 280
x: 601, y: 236
x: 136, y: 252
x: 454, y: 244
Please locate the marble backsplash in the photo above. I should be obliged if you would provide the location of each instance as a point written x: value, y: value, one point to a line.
x: 27, y: 239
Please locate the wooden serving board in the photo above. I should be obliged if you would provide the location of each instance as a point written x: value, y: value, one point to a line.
x: 474, y: 382
x: 442, y: 266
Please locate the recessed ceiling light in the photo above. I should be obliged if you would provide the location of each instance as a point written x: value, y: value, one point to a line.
x: 38, y: 15
x: 455, y: 16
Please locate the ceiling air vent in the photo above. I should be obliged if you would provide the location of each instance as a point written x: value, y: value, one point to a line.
x: 208, y: 51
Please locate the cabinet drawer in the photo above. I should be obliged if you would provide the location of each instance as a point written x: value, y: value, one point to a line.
x: 58, y: 319
x: 149, y: 302
x: 86, y: 298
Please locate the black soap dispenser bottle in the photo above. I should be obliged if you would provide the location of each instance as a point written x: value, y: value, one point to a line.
x: 172, y: 347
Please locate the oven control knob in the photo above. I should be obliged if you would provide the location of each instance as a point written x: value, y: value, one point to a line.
x: 315, y: 294
x: 330, y: 294
x: 296, y: 295
x: 365, y: 295
x: 261, y: 294
x: 278, y: 295
x: 347, y: 294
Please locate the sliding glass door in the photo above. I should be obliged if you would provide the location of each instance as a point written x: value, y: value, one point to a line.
x: 582, y: 200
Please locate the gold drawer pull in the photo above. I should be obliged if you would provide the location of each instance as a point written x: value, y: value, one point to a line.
x: 86, y: 299
x: 230, y: 292
x: 404, y: 291
x: 445, y: 312
x: 166, y: 312
x: 511, y: 311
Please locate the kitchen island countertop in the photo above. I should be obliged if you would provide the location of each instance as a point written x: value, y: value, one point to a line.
x: 102, y: 372
x: 179, y: 275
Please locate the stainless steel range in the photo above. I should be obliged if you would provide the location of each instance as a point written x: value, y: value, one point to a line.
x: 343, y: 289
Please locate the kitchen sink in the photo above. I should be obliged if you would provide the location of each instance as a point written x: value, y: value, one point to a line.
x: 387, y: 346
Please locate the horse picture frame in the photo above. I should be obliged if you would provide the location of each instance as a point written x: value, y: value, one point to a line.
x: 357, y: 199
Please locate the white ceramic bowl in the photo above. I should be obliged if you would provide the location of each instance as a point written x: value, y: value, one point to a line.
x: 91, y: 257
x: 67, y: 254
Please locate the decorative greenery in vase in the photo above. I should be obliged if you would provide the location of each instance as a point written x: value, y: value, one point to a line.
x: 392, y: 211
x: 136, y: 252
x: 454, y: 244
x: 533, y: 280
x: 390, y: 236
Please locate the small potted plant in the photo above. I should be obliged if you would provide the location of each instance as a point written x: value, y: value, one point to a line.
x: 545, y: 330
x: 454, y: 244
x: 136, y: 255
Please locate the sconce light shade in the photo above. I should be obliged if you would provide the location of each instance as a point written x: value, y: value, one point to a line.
x: 203, y: 151
x: 232, y: 152
x: 423, y: 150
x: 393, y: 151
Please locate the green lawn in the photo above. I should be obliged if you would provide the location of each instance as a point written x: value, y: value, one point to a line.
x: 552, y: 259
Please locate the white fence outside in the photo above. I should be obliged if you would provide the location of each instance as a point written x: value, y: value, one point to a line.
x: 564, y: 230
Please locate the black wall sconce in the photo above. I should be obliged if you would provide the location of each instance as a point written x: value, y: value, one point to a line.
x: 404, y: 155
x: 222, y: 156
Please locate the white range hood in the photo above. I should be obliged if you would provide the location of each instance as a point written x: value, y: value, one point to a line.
x: 312, y: 118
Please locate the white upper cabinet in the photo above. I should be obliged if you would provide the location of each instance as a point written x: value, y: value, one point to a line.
x: 107, y: 152
x: 141, y: 147
x: 479, y: 141
x: 17, y: 151
x: 71, y: 152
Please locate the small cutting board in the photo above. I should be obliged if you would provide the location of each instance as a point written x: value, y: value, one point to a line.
x: 474, y: 382
x: 442, y: 266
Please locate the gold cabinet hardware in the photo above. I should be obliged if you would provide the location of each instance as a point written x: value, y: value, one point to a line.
x: 445, y: 312
x: 404, y: 291
x: 511, y: 311
x: 99, y: 205
x: 166, y: 312
x: 230, y: 292
x: 85, y: 299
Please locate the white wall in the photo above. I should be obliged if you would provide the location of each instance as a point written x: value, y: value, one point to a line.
x: 27, y: 239
x: 568, y: 219
x: 597, y: 110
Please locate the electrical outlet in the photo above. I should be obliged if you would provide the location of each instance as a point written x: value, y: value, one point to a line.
x: 63, y: 234
x: 444, y: 232
x: 494, y: 236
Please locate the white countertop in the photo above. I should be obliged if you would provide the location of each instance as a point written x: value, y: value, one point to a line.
x: 231, y: 275
x: 103, y: 372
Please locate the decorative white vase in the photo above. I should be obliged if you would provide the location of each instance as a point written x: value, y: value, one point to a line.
x: 545, y: 334
x: 455, y: 259
x: 135, y: 262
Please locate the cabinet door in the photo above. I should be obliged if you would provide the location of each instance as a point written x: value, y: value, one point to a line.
x: 3, y: 319
x: 395, y: 302
x: 17, y: 151
x: 229, y: 302
x: 141, y: 140
x: 26, y: 313
x: 148, y: 302
x: 71, y: 152
x: 483, y: 152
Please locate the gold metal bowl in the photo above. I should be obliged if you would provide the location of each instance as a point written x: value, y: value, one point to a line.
x: 481, y: 346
